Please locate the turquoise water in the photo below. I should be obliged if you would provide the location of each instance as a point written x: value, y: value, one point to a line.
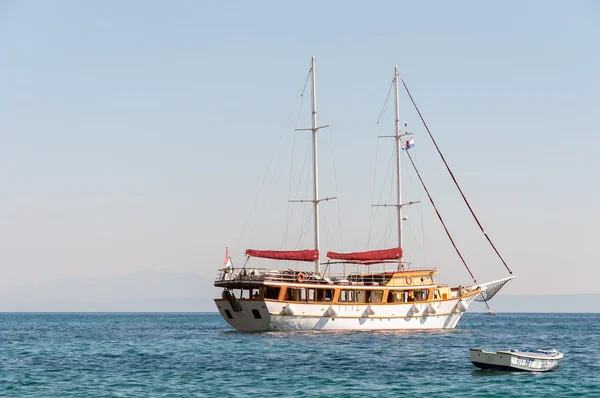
x: 186, y: 355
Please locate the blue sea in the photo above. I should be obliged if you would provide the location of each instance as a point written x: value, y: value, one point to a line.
x: 199, y: 355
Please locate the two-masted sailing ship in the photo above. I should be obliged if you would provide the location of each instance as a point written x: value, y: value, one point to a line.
x: 277, y: 299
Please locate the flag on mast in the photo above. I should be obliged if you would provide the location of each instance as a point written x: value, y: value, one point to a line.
x: 227, y: 260
x: 409, y: 144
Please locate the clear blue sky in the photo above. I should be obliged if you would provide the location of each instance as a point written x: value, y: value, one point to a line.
x: 136, y: 134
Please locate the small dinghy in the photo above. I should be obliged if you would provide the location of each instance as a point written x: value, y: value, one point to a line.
x: 532, y: 361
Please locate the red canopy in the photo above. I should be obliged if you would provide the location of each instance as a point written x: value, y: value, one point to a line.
x: 368, y: 257
x: 298, y: 255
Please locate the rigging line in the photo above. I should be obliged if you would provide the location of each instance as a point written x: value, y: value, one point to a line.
x: 270, y: 163
x: 304, y: 222
x: 383, y: 108
x: 328, y: 234
x: 372, y: 222
x: 261, y: 184
x: 412, y: 233
x: 420, y: 208
x: 382, y: 114
x: 306, y: 81
x: 486, y: 304
x: 297, y: 189
x: 388, y: 230
x: 336, y: 190
x: 275, y: 178
x: 440, y: 217
x: 287, y: 224
x: 473, y: 246
x: 422, y: 218
x: 304, y: 231
x: 373, y: 193
x: 453, y: 178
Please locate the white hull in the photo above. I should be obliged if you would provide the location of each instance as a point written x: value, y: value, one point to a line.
x: 515, y: 360
x: 280, y: 316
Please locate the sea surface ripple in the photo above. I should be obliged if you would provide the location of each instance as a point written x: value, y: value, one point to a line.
x: 199, y: 355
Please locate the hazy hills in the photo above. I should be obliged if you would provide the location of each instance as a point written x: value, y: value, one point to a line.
x: 151, y: 291
x: 140, y: 291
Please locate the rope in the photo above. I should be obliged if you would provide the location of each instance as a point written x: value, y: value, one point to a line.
x: 453, y: 178
x: 287, y: 224
x: 371, y: 216
x: 373, y: 196
x: 304, y: 231
x: 440, y: 217
x: 383, y: 108
x: 269, y: 166
x: 296, y: 193
x: 261, y: 186
x: 336, y: 190
x: 372, y: 221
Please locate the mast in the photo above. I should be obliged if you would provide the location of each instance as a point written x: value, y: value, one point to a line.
x: 398, y: 177
x: 315, y: 200
x: 315, y: 165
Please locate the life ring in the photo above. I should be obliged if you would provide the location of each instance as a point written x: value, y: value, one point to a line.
x: 408, y: 280
x: 300, y: 277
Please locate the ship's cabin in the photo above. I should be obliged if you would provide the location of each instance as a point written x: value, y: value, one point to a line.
x: 390, y: 287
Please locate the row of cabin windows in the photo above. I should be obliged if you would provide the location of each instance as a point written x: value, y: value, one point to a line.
x: 407, y: 296
x: 267, y: 292
x: 304, y: 294
x: 346, y: 296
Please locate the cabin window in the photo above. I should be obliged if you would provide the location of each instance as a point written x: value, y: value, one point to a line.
x: 303, y: 295
x: 293, y: 294
x: 325, y: 294
x: 228, y: 313
x: 369, y: 296
x: 396, y: 296
x: 347, y: 296
x: 417, y: 295
x: 376, y: 296
x: 361, y: 296
x: 271, y: 292
x: 256, y: 314
x: 320, y: 294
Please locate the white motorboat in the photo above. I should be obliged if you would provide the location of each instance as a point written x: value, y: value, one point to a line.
x: 532, y: 361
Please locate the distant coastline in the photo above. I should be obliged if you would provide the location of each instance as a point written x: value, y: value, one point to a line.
x: 152, y: 291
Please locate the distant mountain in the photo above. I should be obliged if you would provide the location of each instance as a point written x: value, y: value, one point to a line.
x: 151, y: 291
x: 144, y: 291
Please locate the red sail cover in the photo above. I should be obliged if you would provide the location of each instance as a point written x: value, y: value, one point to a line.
x: 368, y: 257
x: 298, y: 255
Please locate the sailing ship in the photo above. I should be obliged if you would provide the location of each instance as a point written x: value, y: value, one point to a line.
x: 403, y: 297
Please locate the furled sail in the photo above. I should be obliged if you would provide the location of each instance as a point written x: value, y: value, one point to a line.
x: 297, y: 255
x: 371, y: 256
